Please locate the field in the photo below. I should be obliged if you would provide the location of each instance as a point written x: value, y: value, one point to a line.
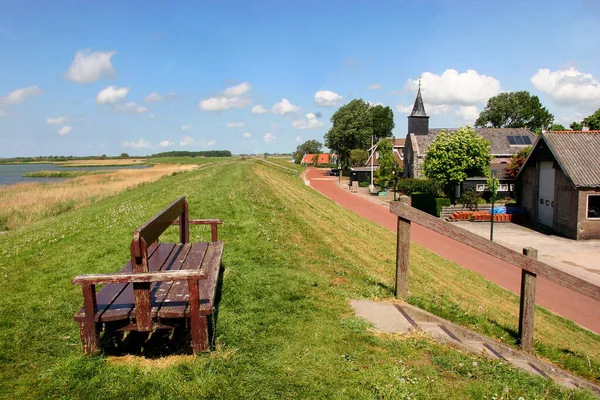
x: 293, y: 260
x: 102, y: 163
x: 24, y: 203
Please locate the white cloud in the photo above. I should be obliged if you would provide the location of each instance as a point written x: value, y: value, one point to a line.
x: 235, y: 124
x: 131, y: 107
x: 311, y: 122
x: 151, y: 116
x: 88, y: 67
x: 211, y: 142
x: 568, y: 86
x: 232, y: 97
x: 65, y: 130
x: 56, y: 120
x: 165, y: 143
x: 468, y: 113
x: 405, y: 109
x: 237, y: 91
x: 298, y: 139
x: 284, y: 107
x: 141, y: 143
x: 112, y: 95
x: 185, y: 127
x: 155, y: 96
x: 327, y: 98
x: 372, y: 104
x: 430, y: 109
x: 20, y: 95
x: 186, y: 141
x: 452, y: 88
x: 269, y: 137
x: 258, y: 109
x: 374, y: 86
x: 247, y: 135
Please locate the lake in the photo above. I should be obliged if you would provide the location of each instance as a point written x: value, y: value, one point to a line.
x: 13, y: 173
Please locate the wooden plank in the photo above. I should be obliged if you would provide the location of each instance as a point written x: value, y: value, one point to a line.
x: 123, y: 305
x: 496, y: 250
x: 152, y: 229
x: 184, y: 226
x: 161, y: 289
x: 211, y: 265
x: 402, y: 254
x: 141, y: 277
x: 109, y: 293
x: 198, y: 325
x: 527, y: 305
x: 176, y: 301
x: 88, y: 331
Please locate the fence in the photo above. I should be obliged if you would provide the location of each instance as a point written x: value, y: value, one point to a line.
x: 527, y: 261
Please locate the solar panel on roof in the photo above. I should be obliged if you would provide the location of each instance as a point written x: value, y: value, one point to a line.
x: 511, y: 140
x: 526, y: 140
x: 519, y: 139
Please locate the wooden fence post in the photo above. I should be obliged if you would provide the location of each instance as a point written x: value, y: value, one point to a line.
x: 527, y: 306
x: 402, y: 253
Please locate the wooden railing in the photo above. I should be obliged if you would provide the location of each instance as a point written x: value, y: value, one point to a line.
x: 527, y: 261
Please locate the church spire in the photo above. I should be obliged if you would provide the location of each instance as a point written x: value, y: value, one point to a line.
x: 418, y: 108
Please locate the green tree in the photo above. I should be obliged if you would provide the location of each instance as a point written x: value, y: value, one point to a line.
x: 124, y: 155
x: 358, y: 157
x: 456, y: 156
x: 576, y: 126
x: 593, y: 121
x: 515, y: 110
x: 383, y: 122
x: 316, y: 158
x: 354, y: 124
x: 308, y: 147
x: 558, y: 127
x: 517, y: 162
x: 386, y: 162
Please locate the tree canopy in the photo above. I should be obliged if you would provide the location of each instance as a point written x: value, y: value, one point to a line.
x: 558, y: 127
x: 593, y: 121
x: 309, y: 147
x: 515, y: 110
x: 358, y: 157
x: 517, y: 161
x: 354, y: 124
x: 386, y: 162
x: 456, y: 156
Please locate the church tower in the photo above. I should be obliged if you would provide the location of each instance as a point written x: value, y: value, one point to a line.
x: 418, y: 120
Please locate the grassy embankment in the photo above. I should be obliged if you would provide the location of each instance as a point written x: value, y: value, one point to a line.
x: 285, y: 328
x: 24, y: 203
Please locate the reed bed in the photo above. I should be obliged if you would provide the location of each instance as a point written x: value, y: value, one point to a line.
x: 26, y: 202
x: 101, y: 163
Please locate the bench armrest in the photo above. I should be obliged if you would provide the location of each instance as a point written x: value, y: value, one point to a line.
x: 179, y: 275
x: 212, y: 222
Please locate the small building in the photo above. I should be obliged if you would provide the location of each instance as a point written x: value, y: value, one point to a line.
x: 324, y: 158
x: 560, y: 183
x: 361, y: 174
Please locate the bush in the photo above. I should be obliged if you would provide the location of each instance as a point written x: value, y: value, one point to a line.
x: 363, y: 184
x: 412, y: 185
x: 429, y: 203
x: 470, y: 199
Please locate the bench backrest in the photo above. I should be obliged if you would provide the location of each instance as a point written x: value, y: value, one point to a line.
x: 148, y: 233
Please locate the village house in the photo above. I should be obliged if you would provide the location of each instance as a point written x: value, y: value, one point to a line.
x: 560, y: 183
x: 324, y: 158
x: 505, y: 142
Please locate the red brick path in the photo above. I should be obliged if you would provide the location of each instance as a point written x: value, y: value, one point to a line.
x: 565, y: 302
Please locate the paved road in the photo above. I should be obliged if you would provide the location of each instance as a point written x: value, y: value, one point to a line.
x: 565, y: 302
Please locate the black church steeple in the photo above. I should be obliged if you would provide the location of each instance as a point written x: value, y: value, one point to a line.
x: 418, y: 120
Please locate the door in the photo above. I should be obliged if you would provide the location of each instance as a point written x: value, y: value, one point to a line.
x: 546, y: 193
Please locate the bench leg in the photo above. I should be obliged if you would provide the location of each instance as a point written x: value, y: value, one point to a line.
x: 90, y: 338
x: 199, y: 328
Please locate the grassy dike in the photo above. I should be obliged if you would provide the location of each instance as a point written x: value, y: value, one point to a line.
x: 293, y: 260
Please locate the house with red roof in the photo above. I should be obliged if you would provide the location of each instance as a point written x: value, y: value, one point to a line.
x: 323, y: 158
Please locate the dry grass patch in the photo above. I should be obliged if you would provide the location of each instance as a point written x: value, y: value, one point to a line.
x: 26, y: 202
x: 101, y: 163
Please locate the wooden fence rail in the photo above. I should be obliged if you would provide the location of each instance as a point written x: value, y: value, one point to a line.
x: 530, y: 266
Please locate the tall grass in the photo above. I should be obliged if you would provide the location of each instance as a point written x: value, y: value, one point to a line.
x: 101, y: 163
x: 30, y: 201
x: 293, y: 260
x: 62, y: 174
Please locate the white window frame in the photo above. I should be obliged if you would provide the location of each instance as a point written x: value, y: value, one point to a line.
x: 481, y: 187
x: 503, y: 187
x: 512, y: 187
x: 587, y: 206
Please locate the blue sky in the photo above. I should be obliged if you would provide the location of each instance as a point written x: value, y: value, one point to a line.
x: 89, y: 78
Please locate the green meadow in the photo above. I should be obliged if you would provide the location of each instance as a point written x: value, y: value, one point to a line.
x: 293, y: 260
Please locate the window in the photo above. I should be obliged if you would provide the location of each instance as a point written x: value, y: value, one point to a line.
x: 503, y: 188
x: 593, y: 206
x: 481, y: 187
x: 512, y: 187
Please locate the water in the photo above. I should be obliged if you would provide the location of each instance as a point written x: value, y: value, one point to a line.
x: 13, y: 173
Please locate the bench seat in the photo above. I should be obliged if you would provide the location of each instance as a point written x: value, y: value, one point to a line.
x: 115, y: 302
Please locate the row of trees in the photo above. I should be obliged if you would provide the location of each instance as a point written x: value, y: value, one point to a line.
x: 208, y: 153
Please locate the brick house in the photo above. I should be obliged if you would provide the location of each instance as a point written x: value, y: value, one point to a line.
x: 324, y: 158
x: 505, y: 142
x: 560, y: 183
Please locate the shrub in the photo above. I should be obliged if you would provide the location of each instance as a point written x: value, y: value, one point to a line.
x: 429, y: 203
x: 412, y: 185
x: 470, y: 199
x: 363, y: 184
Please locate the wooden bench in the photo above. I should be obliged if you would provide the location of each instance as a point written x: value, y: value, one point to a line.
x: 162, y: 285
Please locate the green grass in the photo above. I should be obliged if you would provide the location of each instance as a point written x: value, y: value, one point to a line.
x: 191, y: 160
x: 285, y: 327
x: 62, y: 174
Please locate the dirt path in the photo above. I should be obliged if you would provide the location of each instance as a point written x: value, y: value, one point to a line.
x: 565, y: 302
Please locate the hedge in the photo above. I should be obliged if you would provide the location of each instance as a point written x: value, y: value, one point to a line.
x: 429, y: 203
x: 412, y: 185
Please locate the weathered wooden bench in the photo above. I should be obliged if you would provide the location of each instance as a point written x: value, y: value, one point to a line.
x: 162, y: 285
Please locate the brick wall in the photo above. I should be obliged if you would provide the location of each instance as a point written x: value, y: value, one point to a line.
x: 586, y: 228
x: 527, y: 192
x: 566, y: 197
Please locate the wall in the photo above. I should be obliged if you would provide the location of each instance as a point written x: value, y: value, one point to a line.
x: 586, y: 228
x: 527, y: 188
x: 566, y: 196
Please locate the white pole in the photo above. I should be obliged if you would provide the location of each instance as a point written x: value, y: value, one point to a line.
x: 372, y: 188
